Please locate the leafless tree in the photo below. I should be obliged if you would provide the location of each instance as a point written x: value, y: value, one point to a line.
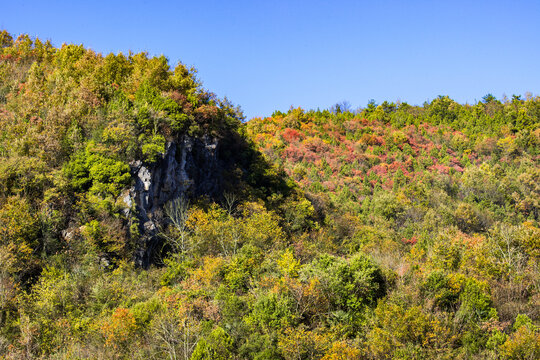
x: 178, y: 335
x: 229, y: 236
x: 177, y: 211
x: 229, y: 202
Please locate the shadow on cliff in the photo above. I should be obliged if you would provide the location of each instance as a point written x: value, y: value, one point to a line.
x: 248, y: 173
x: 195, y: 168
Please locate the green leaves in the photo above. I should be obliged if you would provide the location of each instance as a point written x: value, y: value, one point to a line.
x: 90, y: 170
x: 153, y: 148
x: 156, y: 110
x: 351, y: 284
x: 217, y: 346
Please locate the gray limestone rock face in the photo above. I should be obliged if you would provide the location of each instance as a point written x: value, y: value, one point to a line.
x: 190, y: 167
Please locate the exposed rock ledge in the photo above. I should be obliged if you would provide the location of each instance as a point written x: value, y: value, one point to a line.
x: 189, y: 167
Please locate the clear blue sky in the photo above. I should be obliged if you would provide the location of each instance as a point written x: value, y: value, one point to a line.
x: 269, y: 55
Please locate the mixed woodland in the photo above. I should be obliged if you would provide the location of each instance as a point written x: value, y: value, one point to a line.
x: 389, y: 232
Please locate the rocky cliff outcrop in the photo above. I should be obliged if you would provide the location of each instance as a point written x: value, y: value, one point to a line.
x: 190, y: 167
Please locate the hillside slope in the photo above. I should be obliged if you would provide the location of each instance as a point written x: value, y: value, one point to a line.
x: 445, y: 197
x: 141, y: 218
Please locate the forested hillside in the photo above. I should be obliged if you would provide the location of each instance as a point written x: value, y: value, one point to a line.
x: 445, y: 198
x: 395, y: 231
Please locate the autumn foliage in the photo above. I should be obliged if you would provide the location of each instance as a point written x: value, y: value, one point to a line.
x: 390, y: 232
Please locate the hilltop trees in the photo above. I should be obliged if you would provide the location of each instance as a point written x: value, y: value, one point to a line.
x: 396, y: 231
